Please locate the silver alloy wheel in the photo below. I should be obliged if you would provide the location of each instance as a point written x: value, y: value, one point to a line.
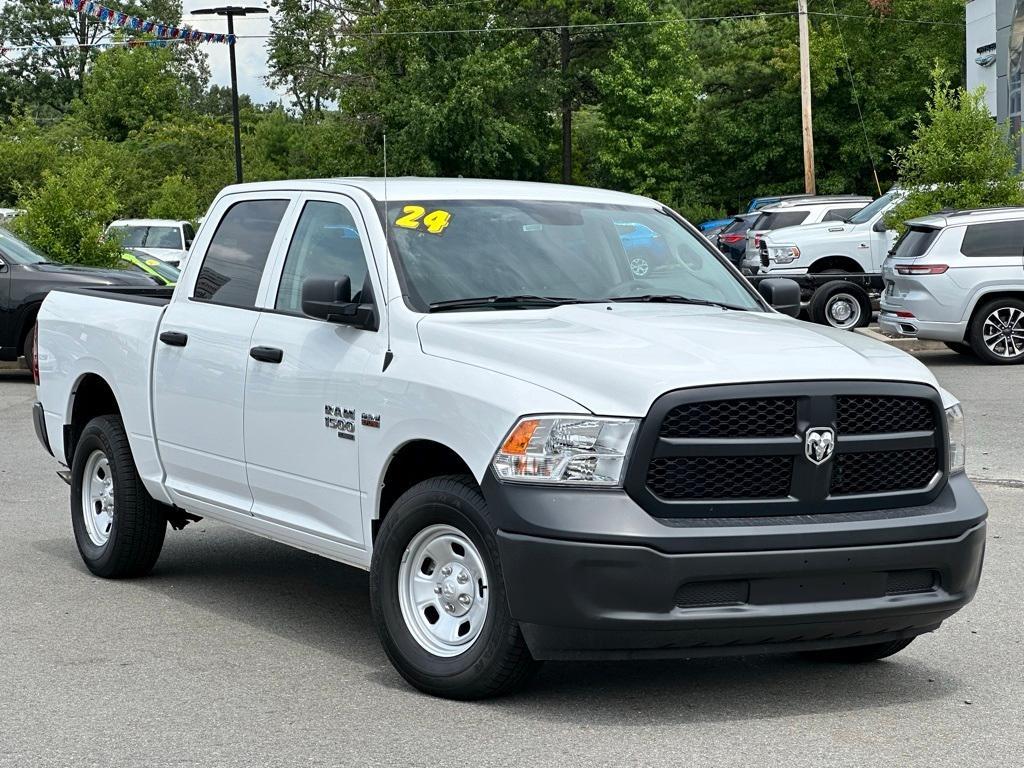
x: 843, y: 311
x: 98, y: 498
x: 443, y: 590
x: 1003, y: 332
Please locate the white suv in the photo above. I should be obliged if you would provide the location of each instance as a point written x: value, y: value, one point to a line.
x: 797, y: 212
x: 958, y: 277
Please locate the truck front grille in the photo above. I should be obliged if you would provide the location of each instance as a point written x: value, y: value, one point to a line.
x: 742, y: 450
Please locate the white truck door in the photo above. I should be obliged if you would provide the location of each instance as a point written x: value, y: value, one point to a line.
x: 304, y: 389
x: 201, y: 357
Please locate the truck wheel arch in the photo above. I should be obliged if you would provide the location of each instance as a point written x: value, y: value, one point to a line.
x: 28, y: 319
x: 412, y: 463
x: 91, y: 396
x: 840, y: 263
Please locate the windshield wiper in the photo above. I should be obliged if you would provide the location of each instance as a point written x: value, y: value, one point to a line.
x: 671, y: 298
x: 524, y: 300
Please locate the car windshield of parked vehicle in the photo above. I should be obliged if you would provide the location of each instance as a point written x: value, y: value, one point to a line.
x: 514, y: 254
x: 17, y: 251
x: 867, y: 213
x: 148, y: 237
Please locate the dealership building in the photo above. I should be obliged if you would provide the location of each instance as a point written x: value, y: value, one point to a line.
x: 995, y: 55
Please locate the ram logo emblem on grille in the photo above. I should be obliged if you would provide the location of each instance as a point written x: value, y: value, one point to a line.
x: 819, y: 443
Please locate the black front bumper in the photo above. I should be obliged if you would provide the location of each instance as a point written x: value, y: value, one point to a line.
x: 591, y: 575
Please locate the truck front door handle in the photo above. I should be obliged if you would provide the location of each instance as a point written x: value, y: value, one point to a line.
x: 174, y: 338
x: 267, y: 354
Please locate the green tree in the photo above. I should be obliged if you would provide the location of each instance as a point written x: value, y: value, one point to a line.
x: 177, y: 197
x: 959, y: 158
x: 65, y: 216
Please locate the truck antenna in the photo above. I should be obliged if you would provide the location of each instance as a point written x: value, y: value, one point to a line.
x: 388, y: 355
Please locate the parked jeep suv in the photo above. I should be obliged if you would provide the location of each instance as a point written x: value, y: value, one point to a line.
x: 958, y: 277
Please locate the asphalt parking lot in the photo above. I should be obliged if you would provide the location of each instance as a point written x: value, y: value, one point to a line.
x: 241, y: 652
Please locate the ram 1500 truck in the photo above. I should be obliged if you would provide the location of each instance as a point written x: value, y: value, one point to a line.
x: 464, y: 387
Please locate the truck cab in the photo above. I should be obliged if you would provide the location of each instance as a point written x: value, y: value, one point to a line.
x: 468, y: 388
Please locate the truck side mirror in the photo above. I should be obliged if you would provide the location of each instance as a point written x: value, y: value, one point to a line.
x: 879, y: 226
x: 782, y: 294
x: 331, y: 300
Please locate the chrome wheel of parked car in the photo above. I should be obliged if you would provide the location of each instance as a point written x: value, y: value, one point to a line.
x: 1003, y: 332
x: 98, y: 498
x: 443, y: 591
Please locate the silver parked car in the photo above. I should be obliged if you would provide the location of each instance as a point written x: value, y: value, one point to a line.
x: 958, y: 277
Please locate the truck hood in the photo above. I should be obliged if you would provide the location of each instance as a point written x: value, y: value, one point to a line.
x: 809, y: 233
x: 616, y: 359
x: 76, y: 273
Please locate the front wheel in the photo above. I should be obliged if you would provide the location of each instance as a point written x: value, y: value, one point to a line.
x: 859, y: 654
x: 841, y: 305
x: 997, y: 332
x: 438, y: 596
x: 118, y: 526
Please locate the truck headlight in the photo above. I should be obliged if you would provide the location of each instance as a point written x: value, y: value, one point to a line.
x: 783, y: 254
x: 957, y: 438
x: 576, y: 450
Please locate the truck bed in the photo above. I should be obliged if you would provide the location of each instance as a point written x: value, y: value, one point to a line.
x: 108, y: 333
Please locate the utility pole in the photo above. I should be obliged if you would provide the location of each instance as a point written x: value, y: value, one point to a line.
x: 230, y: 11
x: 805, y: 96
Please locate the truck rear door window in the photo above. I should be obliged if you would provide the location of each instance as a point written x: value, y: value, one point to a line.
x: 234, y: 262
x: 779, y: 219
x: 1000, y: 238
x: 915, y: 242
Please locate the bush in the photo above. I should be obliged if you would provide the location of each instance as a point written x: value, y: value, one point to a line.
x: 959, y: 159
x: 176, y: 198
x: 65, y: 216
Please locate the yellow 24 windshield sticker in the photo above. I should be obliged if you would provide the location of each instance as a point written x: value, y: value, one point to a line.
x: 416, y: 217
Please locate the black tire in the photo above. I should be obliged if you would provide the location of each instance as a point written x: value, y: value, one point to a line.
x: 136, y: 532
x: 29, y: 345
x: 498, y: 661
x: 860, y: 654
x: 960, y: 348
x: 825, y: 297
x: 976, y: 333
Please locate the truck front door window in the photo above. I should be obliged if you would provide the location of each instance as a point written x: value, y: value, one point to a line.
x: 326, y: 244
x: 234, y: 262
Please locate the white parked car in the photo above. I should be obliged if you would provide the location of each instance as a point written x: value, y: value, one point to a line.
x: 795, y: 213
x: 537, y: 453
x: 958, y: 277
x: 163, y: 239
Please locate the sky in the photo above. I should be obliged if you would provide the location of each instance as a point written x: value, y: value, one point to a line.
x: 251, y: 53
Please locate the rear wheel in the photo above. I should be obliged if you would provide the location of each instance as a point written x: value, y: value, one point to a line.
x: 858, y: 654
x: 438, y: 597
x: 997, y: 332
x: 118, y: 526
x: 841, y: 305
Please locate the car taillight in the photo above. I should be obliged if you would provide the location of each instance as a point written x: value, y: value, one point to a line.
x: 902, y: 313
x: 35, y: 353
x: 757, y: 241
x: 921, y: 269
x: 731, y: 239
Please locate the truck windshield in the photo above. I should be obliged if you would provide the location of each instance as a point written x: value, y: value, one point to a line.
x: 18, y: 251
x: 867, y: 213
x: 530, y: 253
x: 147, y: 237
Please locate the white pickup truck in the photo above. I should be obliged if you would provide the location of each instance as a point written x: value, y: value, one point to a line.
x: 537, y: 453
x: 837, y: 263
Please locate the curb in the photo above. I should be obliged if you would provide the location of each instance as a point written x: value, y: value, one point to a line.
x: 906, y: 344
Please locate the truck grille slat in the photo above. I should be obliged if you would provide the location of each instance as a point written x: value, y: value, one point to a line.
x: 742, y: 450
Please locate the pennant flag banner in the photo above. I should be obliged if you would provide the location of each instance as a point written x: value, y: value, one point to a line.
x: 162, y: 31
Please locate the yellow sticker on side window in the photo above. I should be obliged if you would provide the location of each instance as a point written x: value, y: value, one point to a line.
x: 416, y: 217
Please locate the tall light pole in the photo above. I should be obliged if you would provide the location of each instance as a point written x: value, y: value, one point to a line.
x: 805, y: 96
x: 230, y: 11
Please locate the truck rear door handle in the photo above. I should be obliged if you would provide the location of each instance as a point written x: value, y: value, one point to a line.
x: 267, y: 354
x: 174, y: 338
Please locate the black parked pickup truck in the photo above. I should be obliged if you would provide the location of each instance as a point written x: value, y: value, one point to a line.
x: 26, y: 276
